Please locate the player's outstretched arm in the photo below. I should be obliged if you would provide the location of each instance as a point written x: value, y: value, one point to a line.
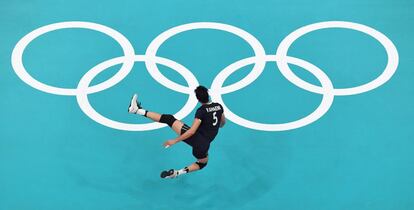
x: 222, y: 120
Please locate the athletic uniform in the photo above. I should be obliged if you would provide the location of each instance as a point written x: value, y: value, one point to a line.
x: 210, y: 116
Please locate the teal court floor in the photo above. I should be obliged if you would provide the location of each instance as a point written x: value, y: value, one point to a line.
x: 68, y: 143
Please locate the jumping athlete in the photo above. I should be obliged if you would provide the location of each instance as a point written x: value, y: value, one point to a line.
x: 208, y: 119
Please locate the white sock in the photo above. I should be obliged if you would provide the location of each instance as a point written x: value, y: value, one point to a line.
x: 182, y: 171
x: 142, y: 112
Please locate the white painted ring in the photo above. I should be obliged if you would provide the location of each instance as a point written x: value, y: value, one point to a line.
x: 388, y: 72
x: 17, y: 57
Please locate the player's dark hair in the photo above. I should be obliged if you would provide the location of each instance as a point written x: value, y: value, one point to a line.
x: 202, y: 94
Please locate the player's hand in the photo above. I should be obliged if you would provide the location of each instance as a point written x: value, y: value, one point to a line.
x: 169, y: 143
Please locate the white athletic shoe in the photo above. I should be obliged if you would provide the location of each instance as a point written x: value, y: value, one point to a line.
x: 134, y: 106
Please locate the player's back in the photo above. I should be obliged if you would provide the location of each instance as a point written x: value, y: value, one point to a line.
x: 210, y: 115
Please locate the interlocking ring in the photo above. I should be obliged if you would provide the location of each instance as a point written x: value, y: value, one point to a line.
x: 388, y: 72
x: 259, y: 60
x: 17, y: 60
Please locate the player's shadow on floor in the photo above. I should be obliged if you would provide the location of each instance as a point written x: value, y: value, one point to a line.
x: 232, y: 183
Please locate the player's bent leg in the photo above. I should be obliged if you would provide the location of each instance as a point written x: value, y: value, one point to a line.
x: 200, y: 164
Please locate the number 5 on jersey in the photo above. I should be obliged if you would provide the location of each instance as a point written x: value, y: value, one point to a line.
x: 215, y: 119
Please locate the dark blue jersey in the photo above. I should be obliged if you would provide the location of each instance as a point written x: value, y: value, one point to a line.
x: 210, y: 116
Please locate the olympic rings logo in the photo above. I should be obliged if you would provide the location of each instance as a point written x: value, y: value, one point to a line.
x: 259, y: 60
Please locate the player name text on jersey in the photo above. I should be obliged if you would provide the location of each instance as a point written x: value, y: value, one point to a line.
x: 213, y: 109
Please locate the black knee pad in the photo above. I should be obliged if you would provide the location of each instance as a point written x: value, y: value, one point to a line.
x: 168, y: 119
x: 201, y: 165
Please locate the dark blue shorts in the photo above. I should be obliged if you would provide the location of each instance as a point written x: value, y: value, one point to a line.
x: 198, y: 142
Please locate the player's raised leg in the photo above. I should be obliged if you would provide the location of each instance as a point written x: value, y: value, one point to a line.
x: 136, y: 108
